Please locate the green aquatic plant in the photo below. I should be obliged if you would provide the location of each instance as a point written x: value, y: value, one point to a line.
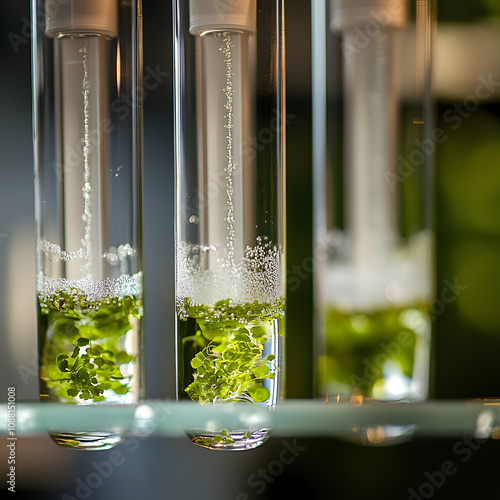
x: 229, y: 362
x: 82, y: 344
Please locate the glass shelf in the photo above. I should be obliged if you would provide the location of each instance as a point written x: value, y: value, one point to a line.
x: 308, y: 418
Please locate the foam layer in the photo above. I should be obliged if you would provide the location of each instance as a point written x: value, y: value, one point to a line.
x: 93, y: 290
x: 257, y: 277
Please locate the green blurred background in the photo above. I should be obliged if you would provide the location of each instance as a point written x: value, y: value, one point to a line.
x: 467, y: 330
x: 467, y: 209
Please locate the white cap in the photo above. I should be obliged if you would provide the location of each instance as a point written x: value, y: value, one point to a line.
x: 388, y: 14
x: 208, y: 15
x: 80, y: 17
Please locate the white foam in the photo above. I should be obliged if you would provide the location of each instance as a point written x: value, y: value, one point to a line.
x: 406, y: 280
x: 257, y: 277
x: 92, y: 289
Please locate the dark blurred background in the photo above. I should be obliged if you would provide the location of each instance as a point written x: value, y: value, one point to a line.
x: 467, y: 330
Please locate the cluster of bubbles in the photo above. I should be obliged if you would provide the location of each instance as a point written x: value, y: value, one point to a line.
x: 93, y: 290
x: 54, y: 250
x: 205, y: 276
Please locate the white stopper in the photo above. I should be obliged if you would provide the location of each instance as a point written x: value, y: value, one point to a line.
x: 209, y: 15
x: 81, y: 17
x: 387, y: 14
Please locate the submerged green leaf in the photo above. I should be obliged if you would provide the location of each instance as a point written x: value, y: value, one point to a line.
x: 230, y: 365
x: 85, y: 337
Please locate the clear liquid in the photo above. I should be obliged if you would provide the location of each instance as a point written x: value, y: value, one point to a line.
x: 82, y: 98
x: 230, y: 167
x: 228, y: 273
x: 87, y: 188
x: 225, y: 124
x: 229, y: 354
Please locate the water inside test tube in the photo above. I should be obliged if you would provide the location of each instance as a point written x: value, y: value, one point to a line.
x: 376, y: 290
x: 87, y: 187
x: 91, y: 294
x: 230, y: 168
x: 224, y: 96
x: 82, y: 97
x: 372, y: 132
x: 228, y: 291
x: 230, y: 243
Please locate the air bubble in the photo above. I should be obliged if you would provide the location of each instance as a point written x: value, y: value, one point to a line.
x: 257, y: 277
x: 93, y: 290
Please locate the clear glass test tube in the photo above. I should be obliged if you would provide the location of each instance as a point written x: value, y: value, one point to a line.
x: 373, y: 146
x: 230, y: 244
x: 87, y: 64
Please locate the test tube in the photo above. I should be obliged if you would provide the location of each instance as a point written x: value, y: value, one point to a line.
x: 230, y: 245
x: 373, y: 151
x: 88, y: 188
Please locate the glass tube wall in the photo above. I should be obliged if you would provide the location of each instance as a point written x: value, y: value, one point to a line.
x: 373, y: 144
x: 230, y: 246
x: 87, y: 64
